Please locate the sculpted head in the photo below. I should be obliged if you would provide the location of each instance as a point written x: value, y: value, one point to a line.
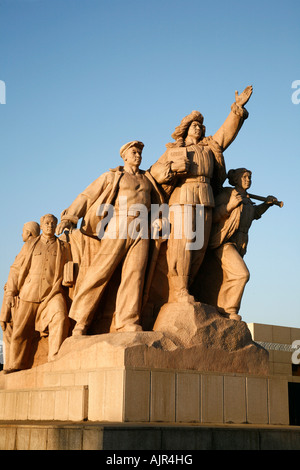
x: 30, y: 229
x: 48, y: 225
x: 190, y: 128
x: 132, y: 153
x: 241, y: 178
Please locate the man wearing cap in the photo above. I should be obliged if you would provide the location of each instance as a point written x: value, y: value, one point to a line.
x: 192, y: 171
x: 103, y: 254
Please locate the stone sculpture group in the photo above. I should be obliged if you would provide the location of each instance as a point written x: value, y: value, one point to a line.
x: 116, y: 272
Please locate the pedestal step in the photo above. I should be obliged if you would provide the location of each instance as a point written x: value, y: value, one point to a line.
x: 147, y: 395
x: 142, y: 438
x: 52, y: 403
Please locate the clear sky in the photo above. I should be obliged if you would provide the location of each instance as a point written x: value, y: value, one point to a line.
x: 83, y: 77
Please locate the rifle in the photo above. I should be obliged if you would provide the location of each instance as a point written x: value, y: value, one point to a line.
x: 261, y: 198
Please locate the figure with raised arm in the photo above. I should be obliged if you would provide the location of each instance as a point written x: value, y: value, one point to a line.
x: 192, y: 172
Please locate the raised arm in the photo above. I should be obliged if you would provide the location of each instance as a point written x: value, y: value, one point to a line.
x: 79, y: 207
x: 232, y: 125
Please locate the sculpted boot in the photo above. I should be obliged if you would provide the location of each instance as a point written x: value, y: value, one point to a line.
x: 178, y: 289
x: 235, y: 316
x: 231, y: 314
x: 79, y: 330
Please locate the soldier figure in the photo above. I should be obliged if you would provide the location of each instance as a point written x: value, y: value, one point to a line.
x: 36, y: 279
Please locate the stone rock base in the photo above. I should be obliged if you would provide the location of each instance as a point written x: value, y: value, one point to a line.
x: 185, y: 336
x: 195, y: 367
x: 210, y: 342
x: 133, y: 394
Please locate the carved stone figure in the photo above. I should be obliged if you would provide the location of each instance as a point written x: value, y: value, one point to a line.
x: 30, y: 229
x: 36, y: 279
x: 122, y: 188
x: 192, y: 171
x: 233, y: 215
x: 112, y: 275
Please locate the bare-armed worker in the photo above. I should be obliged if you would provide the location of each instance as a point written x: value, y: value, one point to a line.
x: 232, y: 217
x: 125, y: 189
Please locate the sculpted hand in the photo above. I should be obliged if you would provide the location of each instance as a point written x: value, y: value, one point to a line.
x: 63, y: 225
x: 181, y: 166
x: 244, y: 97
x: 10, y: 301
x: 271, y: 200
x: 234, y: 201
x: 3, y: 325
x: 160, y: 229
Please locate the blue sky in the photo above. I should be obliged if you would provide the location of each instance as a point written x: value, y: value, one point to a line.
x: 83, y: 77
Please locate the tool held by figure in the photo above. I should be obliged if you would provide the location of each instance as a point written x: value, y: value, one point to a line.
x: 261, y: 198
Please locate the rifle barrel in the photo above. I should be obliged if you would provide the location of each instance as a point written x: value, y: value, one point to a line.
x: 261, y: 198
